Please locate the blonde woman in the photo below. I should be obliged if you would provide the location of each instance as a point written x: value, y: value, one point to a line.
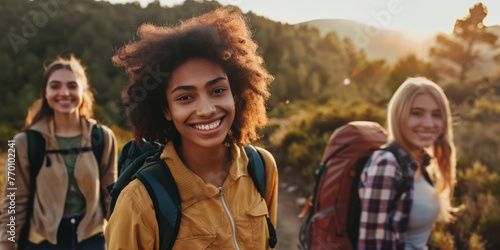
x: 421, y: 131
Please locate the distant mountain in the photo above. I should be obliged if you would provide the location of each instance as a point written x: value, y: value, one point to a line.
x: 390, y: 45
x: 387, y: 44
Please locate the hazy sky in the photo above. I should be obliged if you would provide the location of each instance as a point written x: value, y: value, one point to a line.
x: 417, y: 17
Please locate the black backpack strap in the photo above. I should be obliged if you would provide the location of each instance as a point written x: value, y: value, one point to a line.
x: 97, y: 138
x: 97, y: 141
x: 257, y: 171
x: 162, y: 189
x: 404, y: 165
x: 68, y: 151
x: 427, y: 177
x: 36, y: 153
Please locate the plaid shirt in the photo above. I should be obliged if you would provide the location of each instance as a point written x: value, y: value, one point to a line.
x: 384, y: 220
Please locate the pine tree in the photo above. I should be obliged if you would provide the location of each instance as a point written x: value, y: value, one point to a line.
x: 460, y: 49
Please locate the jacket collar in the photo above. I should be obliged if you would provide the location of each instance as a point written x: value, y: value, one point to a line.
x: 193, y: 188
x: 46, y: 127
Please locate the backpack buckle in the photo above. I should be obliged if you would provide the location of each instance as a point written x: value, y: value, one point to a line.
x: 319, y: 169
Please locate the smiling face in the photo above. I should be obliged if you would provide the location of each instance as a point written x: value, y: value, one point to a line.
x: 425, y: 122
x: 64, y: 93
x: 200, y: 103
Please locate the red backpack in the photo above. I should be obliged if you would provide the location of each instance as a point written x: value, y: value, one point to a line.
x: 332, y: 214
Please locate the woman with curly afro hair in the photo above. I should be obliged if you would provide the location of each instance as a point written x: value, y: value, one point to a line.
x: 200, y: 89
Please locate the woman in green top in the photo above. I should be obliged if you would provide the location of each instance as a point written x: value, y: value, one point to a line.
x: 70, y: 191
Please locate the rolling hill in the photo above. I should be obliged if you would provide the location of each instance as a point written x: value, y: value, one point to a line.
x: 389, y: 44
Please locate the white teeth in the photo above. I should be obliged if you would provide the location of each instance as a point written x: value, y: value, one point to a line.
x: 426, y: 133
x: 208, y: 126
x: 64, y: 101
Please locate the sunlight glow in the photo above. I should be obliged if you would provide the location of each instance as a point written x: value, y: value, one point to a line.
x: 347, y: 81
x: 417, y: 18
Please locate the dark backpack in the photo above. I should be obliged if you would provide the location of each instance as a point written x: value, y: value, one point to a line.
x: 333, y: 213
x: 145, y: 164
x: 36, y: 154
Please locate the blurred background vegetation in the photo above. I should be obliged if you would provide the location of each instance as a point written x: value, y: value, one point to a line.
x: 322, y: 82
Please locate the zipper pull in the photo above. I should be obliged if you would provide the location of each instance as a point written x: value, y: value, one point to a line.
x: 221, y: 191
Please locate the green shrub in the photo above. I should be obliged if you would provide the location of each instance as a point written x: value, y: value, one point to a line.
x: 478, y: 220
x: 476, y: 242
x: 486, y: 109
x: 6, y: 134
x: 478, y: 141
x: 441, y: 238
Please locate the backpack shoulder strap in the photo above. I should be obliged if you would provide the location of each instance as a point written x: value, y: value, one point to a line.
x: 162, y: 189
x: 403, y: 164
x: 36, y: 151
x: 36, y: 154
x: 256, y: 169
x: 97, y: 140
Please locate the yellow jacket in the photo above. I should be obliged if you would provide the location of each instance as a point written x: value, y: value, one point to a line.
x: 205, y: 224
x: 52, y: 185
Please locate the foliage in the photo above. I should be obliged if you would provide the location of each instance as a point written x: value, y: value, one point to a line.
x: 307, y: 66
x: 476, y: 242
x: 442, y: 239
x: 122, y: 136
x: 478, y: 141
x: 459, y: 94
x: 478, y: 220
x: 6, y: 134
x: 281, y: 110
x: 460, y: 50
x: 486, y: 109
x: 407, y: 67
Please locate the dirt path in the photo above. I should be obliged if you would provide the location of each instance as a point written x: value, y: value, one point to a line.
x: 288, y: 223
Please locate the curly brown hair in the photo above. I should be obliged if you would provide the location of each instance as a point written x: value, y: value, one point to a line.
x: 221, y: 36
